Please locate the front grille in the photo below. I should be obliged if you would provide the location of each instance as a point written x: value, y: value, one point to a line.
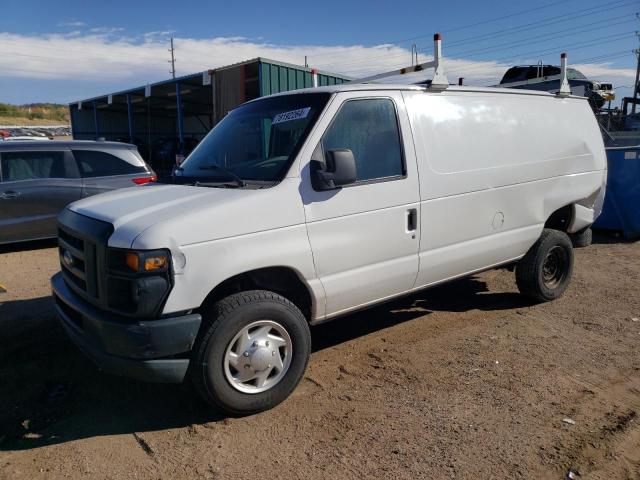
x: 76, y: 261
x: 82, y: 244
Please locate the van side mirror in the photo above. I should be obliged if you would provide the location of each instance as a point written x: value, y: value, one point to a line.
x: 339, y: 169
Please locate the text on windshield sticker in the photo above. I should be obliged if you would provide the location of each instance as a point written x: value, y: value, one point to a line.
x: 292, y: 115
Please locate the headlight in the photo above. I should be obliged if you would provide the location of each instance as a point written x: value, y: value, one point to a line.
x: 138, y: 281
x: 147, y: 262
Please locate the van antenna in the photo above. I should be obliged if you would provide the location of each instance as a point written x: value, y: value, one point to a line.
x: 439, y: 80
x: 565, y: 88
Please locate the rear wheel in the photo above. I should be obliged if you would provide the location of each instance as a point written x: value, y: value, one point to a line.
x: 251, y: 353
x: 544, y: 273
x: 583, y: 238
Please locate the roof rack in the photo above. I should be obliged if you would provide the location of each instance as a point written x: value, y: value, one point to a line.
x: 439, y: 80
x: 565, y: 88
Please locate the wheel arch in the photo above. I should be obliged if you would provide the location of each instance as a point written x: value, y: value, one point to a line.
x: 282, y: 280
x: 561, y: 218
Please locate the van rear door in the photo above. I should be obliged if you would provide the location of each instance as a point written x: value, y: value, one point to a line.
x: 364, y: 236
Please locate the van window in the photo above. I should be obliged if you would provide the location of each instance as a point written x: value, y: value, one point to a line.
x: 32, y: 165
x: 369, y: 128
x: 257, y: 141
x: 94, y: 163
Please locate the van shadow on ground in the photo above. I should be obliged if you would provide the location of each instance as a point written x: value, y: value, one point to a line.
x: 52, y: 394
x: 28, y: 246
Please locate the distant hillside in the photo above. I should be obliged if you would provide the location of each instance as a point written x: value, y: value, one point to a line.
x: 34, y: 114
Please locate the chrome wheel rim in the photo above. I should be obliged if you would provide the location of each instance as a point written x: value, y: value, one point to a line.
x: 258, y: 357
x: 554, y: 267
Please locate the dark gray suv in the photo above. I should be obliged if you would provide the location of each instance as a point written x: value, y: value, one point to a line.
x: 38, y: 179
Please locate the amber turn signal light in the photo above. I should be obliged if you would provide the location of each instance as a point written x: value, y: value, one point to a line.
x: 133, y: 261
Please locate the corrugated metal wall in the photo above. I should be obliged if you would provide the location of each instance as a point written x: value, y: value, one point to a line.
x: 276, y: 78
x: 229, y: 85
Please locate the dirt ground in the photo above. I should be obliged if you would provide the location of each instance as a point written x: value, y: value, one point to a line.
x: 466, y: 380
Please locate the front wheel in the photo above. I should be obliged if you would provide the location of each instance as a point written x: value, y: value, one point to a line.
x: 251, y: 353
x: 543, y: 274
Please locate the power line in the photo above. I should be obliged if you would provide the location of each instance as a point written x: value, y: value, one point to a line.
x: 607, y: 56
x: 507, y: 32
x: 553, y: 20
x: 461, y: 55
x: 545, y: 22
x: 544, y: 39
x: 494, y: 48
x: 572, y: 47
x: 483, y: 22
x: 483, y: 64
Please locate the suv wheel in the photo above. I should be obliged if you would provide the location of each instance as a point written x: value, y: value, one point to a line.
x: 543, y: 274
x: 251, y: 353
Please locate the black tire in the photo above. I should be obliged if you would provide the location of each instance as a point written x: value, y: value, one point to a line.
x: 544, y: 273
x: 221, y: 322
x: 583, y: 238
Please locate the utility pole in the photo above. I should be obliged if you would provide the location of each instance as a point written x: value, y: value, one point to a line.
x: 635, y: 85
x: 172, y: 61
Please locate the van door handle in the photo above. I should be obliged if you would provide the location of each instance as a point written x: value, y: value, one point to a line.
x: 9, y: 194
x: 412, y: 220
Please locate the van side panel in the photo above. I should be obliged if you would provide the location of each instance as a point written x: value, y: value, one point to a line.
x: 492, y: 170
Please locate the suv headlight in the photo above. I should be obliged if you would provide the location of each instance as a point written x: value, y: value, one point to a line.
x: 138, y: 281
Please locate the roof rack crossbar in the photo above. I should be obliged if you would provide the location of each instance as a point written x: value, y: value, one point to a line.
x: 439, y: 79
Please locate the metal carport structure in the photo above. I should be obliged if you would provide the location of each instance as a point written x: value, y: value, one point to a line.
x: 183, y: 110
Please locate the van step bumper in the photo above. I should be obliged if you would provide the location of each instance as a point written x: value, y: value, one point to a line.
x: 125, y: 346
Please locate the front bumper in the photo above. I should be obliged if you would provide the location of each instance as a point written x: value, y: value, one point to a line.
x: 124, y: 346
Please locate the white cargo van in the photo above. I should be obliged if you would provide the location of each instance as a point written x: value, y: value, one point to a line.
x: 301, y: 207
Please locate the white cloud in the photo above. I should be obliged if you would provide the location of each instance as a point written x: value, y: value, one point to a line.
x: 105, y: 30
x: 158, y: 33
x: 604, y: 71
x: 74, y: 24
x: 104, y: 54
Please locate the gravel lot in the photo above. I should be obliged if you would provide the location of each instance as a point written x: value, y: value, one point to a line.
x: 466, y: 380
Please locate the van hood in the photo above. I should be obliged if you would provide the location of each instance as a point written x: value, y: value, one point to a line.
x: 166, y: 216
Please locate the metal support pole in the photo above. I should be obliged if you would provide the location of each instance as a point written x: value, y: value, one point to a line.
x: 130, y: 116
x: 439, y: 79
x: 565, y: 89
x: 180, y: 120
x: 635, y: 85
x: 72, y: 121
x: 95, y: 120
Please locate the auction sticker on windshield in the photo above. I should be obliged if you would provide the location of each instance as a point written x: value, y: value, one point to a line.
x: 292, y: 115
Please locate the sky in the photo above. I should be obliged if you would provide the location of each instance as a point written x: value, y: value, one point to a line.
x: 66, y: 50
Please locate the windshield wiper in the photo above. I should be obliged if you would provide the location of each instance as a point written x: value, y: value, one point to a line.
x: 226, y: 171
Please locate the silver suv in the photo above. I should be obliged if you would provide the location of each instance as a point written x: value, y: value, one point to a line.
x: 38, y: 179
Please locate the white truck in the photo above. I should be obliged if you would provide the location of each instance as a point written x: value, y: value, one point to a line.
x: 302, y: 207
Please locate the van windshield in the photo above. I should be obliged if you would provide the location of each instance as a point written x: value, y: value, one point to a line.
x: 255, y: 142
